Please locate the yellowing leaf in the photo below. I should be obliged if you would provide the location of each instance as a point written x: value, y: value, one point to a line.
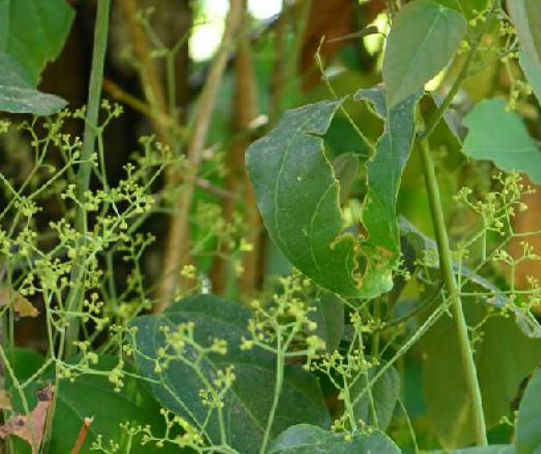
x: 5, y: 400
x: 21, y: 305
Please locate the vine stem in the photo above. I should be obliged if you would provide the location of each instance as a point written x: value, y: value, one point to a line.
x: 76, y: 294
x: 446, y: 265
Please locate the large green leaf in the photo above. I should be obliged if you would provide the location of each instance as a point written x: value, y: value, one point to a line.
x: 94, y: 396
x: 385, y: 394
x: 33, y: 32
x: 306, y: 439
x: 298, y: 196
x: 526, y: 16
x: 500, y: 136
x: 528, y: 433
x: 384, y: 173
x: 17, y: 95
x: 504, y: 357
x: 423, y: 39
x: 248, y: 402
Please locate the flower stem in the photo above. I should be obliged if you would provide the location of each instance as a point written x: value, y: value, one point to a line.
x: 446, y: 265
x: 76, y: 295
x: 280, y: 366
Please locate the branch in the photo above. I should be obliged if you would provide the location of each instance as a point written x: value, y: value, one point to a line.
x: 177, y: 244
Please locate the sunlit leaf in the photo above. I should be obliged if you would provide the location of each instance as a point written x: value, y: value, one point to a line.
x: 423, y: 39
x: 499, y: 135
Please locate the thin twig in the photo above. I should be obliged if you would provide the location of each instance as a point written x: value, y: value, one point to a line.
x: 82, y: 435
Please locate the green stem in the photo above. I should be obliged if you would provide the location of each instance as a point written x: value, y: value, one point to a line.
x: 76, y: 295
x: 446, y: 264
x: 280, y: 365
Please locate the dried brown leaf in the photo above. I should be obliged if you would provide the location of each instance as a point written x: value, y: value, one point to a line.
x: 21, y: 305
x: 31, y: 431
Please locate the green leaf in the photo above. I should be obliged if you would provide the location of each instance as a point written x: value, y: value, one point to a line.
x: 25, y: 362
x: 504, y: 356
x: 491, y: 449
x: 17, y: 94
x: 385, y: 394
x: 532, y: 71
x: 329, y: 317
x: 384, y: 173
x: 500, y: 136
x: 298, y: 196
x: 469, y: 8
x: 34, y: 31
x: 526, y: 16
x: 247, y: 404
x: 528, y: 435
x: 306, y: 439
x: 423, y: 39
x: 94, y: 396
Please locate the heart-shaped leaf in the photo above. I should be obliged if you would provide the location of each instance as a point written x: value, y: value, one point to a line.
x: 247, y: 403
x: 423, y: 39
x: 499, y: 135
